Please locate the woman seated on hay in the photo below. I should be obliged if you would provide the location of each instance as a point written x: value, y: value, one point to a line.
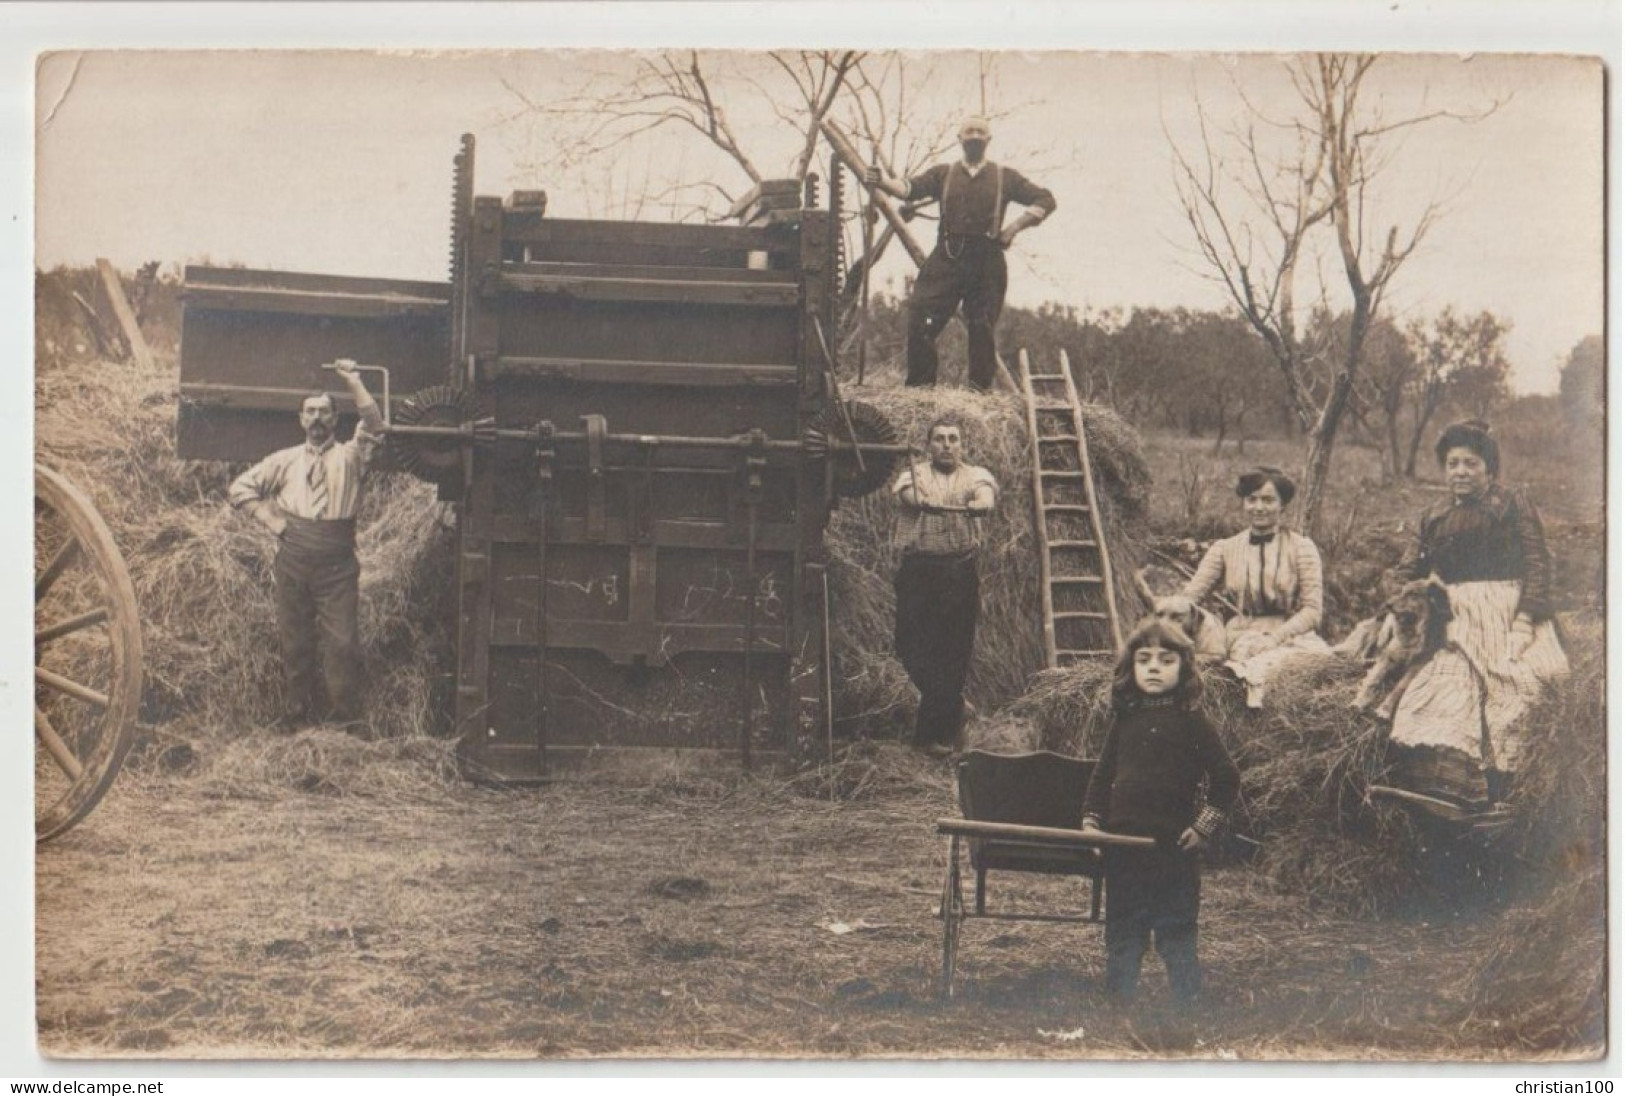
x: 1273, y: 576
x: 1457, y: 727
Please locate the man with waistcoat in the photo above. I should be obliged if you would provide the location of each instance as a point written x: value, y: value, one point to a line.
x: 308, y: 495
x: 967, y: 264
x: 942, y: 504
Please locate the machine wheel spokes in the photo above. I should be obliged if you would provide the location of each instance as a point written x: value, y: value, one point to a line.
x: 87, y: 656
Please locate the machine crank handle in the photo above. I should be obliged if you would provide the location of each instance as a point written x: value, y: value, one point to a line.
x: 332, y: 367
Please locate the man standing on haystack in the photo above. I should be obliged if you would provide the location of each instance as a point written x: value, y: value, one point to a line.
x: 308, y: 496
x: 968, y: 262
x: 942, y: 502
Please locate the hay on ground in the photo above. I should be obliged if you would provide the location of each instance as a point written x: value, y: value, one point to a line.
x: 202, y: 572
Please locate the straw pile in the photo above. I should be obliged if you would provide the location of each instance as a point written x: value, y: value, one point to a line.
x: 202, y: 572
x: 873, y: 694
x: 1546, y: 967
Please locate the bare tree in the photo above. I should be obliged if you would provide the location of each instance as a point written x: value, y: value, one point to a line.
x: 1266, y: 199
x: 698, y: 93
x: 1464, y: 355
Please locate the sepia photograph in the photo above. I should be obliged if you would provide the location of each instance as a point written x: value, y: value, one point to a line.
x: 820, y: 554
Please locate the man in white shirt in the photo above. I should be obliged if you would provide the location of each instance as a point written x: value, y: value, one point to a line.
x: 308, y: 495
x: 942, y: 503
x: 968, y: 262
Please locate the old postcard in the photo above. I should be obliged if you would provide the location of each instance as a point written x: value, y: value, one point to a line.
x: 820, y: 553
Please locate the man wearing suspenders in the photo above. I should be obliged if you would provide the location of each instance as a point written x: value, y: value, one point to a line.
x: 307, y: 496
x: 968, y: 262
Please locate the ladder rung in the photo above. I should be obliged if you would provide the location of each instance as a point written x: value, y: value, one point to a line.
x: 1058, y: 437
x: 1074, y: 506
x: 1062, y: 473
x: 1073, y: 544
x: 1052, y: 407
x: 1062, y: 651
x: 1075, y: 615
x: 1057, y: 579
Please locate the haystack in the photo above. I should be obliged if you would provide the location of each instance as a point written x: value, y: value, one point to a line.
x: 873, y: 694
x: 202, y: 572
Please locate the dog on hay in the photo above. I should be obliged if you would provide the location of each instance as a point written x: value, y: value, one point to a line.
x: 1200, y: 626
x: 1407, y: 631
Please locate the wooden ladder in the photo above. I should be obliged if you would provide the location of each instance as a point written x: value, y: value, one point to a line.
x: 1075, y: 569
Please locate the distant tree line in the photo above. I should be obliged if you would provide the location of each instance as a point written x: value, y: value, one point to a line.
x: 1209, y: 374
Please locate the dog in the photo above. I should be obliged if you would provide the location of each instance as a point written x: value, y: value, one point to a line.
x: 1407, y: 631
x: 1200, y: 626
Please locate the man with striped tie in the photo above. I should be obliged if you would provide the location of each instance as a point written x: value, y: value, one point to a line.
x: 308, y: 496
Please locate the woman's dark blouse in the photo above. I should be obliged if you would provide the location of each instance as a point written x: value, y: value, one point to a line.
x: 1495, y: 537
x: 1151, y: 768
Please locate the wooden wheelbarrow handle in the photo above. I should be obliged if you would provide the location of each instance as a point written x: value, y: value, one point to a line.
x: 1041, y: 835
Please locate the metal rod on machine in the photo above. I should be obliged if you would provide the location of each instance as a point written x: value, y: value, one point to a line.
x: 868, y: 261
x: 736, y: 441
x: 541, y: 500
x: 753, y: 498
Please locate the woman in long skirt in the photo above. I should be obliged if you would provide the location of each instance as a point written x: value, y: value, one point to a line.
x: 1458, y: 727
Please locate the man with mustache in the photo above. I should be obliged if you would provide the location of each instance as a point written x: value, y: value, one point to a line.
x: 968, y: 262
x: 308, y: 495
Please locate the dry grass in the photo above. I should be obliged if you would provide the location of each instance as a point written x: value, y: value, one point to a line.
x: 202, y: 572
x: 697, y: 914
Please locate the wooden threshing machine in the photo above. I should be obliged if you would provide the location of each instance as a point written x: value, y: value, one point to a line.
x: 638, y: 426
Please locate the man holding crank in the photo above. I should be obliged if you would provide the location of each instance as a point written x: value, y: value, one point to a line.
x: 942, y: 502
x: 308, y: 496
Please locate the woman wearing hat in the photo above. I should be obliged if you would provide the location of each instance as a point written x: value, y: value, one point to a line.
x: 1273, y: 577
x: 1456, y: 725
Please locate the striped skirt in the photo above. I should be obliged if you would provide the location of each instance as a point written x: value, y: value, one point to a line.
x: 1469, y: 698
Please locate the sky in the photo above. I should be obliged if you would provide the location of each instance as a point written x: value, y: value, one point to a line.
x: 339, y: 162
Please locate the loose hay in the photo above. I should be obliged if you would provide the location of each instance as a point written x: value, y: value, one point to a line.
x: 202, y: 573
x: 328, y: 761
x: 873, y: 694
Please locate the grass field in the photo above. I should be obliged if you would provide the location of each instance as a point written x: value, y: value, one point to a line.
x: 390, y: 913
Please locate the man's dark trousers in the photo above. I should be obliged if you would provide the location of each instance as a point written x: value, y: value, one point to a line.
x: 937, y: 602
x: 317, y: 603
x: 962, y: 268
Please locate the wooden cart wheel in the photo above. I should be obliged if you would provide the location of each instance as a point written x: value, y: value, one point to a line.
x: 87, y: 656
x: 952, y: 913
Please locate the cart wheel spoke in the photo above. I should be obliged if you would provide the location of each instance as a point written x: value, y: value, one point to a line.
x: 71, y: 688
x: 87, y: 671
x: 57, y: 748
x: 70, y: 626
x: 53, y: 570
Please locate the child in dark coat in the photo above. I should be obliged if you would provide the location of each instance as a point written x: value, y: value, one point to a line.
x: 1147, y: 782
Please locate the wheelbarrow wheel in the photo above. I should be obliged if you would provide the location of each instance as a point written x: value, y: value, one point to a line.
x: 952, y: 912
x: 87, y: 656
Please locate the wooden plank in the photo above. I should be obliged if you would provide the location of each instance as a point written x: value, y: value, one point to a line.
x: 251, y: 278
x: 113, y: 290
x: 854, y: 163
x: 668, y: 273
x: 310, y: 302
x: 658, y: 641
x: 606, y: 371
x: 1039, y: 835
x: 542, y: 232
x: 684, y: 291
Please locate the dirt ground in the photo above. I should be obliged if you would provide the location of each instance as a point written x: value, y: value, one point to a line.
x: 376, y: 907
